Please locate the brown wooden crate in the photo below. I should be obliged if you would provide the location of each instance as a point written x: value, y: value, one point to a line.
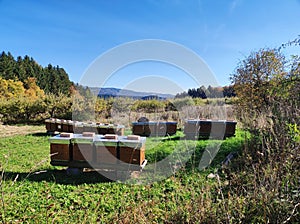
x: 205, y: 128
x: 48, y: 126
x: 230, y: 129
x: 59, y: 151
x: 106, y: 154
x: 70, y: 128
x: 65, y: 127
x: 101, y: 131
x: 171, y: 129
x: 53, y: 127
x: 78, y: 129
x: 58, y: 127
x: 82, y: 152
x: 217, y: 130
x: 150, y: 130
x: 110, y: 131
x: 132, y: 156
x: 190, y: 128
x: 161, y: 129
x: 138, y: 129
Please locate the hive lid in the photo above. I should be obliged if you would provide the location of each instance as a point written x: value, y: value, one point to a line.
x: 134, y: 137
x: 171, y: 122
x: 131, y: 142
x: 58, y: 139
x: 58, y: 121
x: 79, y: 138
x: 100, y: 140
x: 66, y: 135
x: 88, y: 134
x: 111, y: 136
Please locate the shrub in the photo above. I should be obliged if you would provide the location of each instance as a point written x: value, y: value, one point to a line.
x: 267, y: 86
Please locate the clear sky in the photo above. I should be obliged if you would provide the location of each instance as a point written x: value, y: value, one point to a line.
x: 73, y: 33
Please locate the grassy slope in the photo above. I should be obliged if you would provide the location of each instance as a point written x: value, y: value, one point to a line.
x: 34, y: 191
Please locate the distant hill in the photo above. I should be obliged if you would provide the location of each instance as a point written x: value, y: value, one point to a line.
x: 115, y: 92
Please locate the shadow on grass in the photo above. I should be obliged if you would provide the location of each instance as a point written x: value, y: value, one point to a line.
x: 40, y: 134
x: 58, y: 176
x: 172, y: 138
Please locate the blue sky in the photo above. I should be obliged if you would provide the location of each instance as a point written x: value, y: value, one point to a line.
x: 72, y: 34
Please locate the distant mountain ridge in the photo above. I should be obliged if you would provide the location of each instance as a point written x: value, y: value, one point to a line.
x: 116, y: 92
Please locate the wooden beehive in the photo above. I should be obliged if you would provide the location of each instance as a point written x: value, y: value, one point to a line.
x: 106, y: 149
x: 218, y: 129
x: 82, y: 148
x: 64, y: 126
x: 78, y: 127
x: 161, y: 129
x: 71, y: 126
x: 138, y: 128
x: 58, y: 125
x: 104, y: 129
x: 47, y: 125
x: 150, y: 129
x: 230, y: 128
x: 132, y: 150
x: 144, y: 128
x: 154, y: 129
x: 60, y: 147
x: 50, y: 125
x: 171, y: 128
x: 191, y: 129
x: 205, y: 128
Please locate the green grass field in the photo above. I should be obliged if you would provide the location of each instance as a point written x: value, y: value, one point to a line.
x: 33, y: 191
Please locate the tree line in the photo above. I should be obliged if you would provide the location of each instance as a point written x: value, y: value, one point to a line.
x: 51, y: 79
x: 209, y: 92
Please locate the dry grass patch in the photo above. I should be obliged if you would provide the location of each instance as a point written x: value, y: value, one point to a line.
x: 11, y: 130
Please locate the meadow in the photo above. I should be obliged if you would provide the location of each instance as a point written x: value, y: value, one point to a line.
x: 33, y: 191
x: 259, y: 184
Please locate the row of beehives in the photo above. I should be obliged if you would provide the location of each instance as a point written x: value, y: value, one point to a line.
x: 154, y: 129
x: 91, y: 150
x: 204, y: 128
x: 59, y: 125
x: 193, y: 129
